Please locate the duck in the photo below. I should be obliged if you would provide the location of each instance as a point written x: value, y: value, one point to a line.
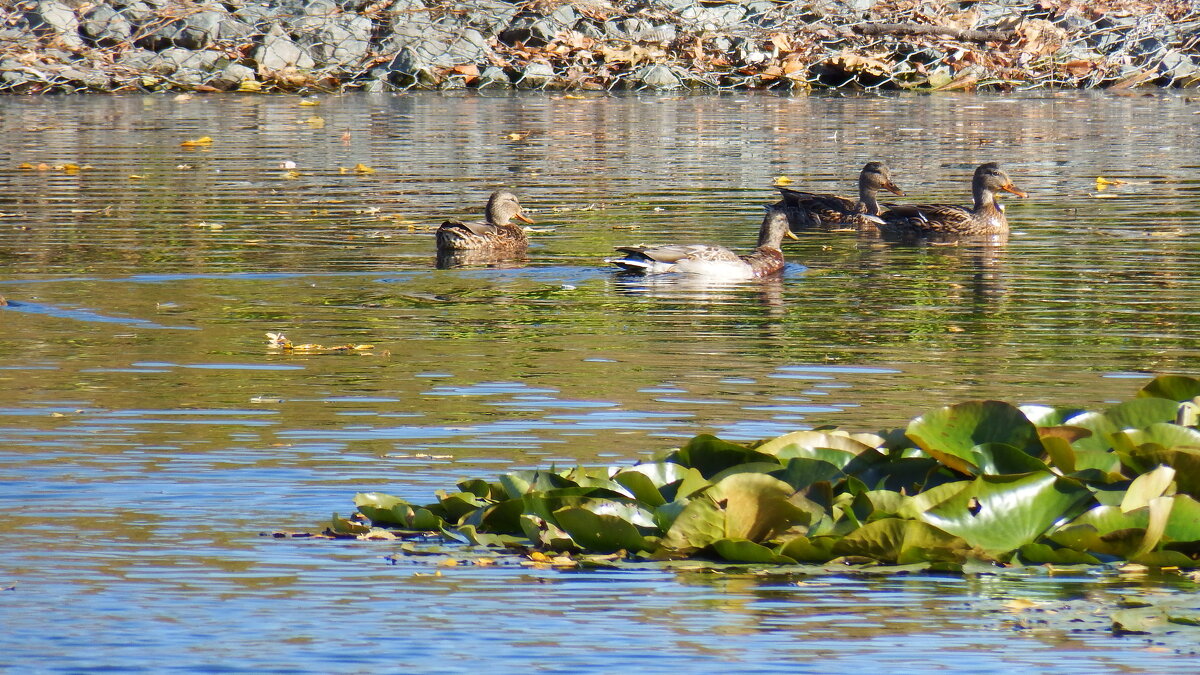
x: 495, y: 234
x: 809, y: 209
x: 941, y: 220
x: 713, y: 261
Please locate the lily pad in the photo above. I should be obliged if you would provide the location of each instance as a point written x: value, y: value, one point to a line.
x: 952, y: 434
x: 1000, y: 514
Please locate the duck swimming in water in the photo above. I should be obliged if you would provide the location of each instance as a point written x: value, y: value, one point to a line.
x: 713, y: 261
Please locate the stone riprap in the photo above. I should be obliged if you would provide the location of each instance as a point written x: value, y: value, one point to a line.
x: 305, y: 45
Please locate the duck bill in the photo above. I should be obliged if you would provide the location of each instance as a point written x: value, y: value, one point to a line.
x: 791, y: 235
x: 525, y: 219
x: 1009, y: 187
x: 893, y: 188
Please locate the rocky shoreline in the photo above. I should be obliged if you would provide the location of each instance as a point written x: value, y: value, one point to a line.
x: 60, y: 46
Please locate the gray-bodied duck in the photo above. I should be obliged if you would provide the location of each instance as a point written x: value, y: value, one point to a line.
x: 810, y: 209
x: 713, y: 261
x: 942, y: 220
x: 496, y: 233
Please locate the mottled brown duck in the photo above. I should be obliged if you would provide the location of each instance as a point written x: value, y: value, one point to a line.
x: 948, y: 220
x: 715, y: 262
x: 496, y: 233
x: 810, y: 209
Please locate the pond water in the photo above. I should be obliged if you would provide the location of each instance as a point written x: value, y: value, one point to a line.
x: 149, y: 435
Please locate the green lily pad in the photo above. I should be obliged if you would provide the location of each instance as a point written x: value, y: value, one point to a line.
x: 951, y: 434
x: 699, y: 524
x: 600, y: 533
x: 1172, y: 387
x: 1135, y: 414
x: 804, y: 549
x: 894, y: 540
x: 756, y: 506
x: 711, y: 455
x: 1000, y: 514
x: 744, y: 551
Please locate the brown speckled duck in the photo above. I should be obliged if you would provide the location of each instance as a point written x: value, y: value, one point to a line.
x: 496, y: 234
x: 713, y: 261
x: 943, y: 220
x: 808, y: 209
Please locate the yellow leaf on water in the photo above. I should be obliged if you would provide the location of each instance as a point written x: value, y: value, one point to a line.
x: 1019, y: 604
x: 515, y: 136
x: 27, y: 166
x: 538, y: 556
x: 197, y: 142
x: 363, y: 347
x: 783, y: 180
x: 316, y: 122
x: 363, y: 169
x: 135, y: 176
x: 309, y: 101
x: 1102, y: 182
x: 250, y: 85
x: 291, y: 175
x: 69, y: 168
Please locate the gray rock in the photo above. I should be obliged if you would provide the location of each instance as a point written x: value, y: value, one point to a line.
x: 105, y: 27
x: 1180, y: 68
x: 658, y: 76
x: 199, y: 30
x: 494, y: 77
x: 536, y: 76
x: 231, y: 77
x: 716, y: 18
x: 410, y: 67
x: 90, y: 78
x: 182, y: 58
x: 277, y: 52
x: 489, y: 16
x: 137, y: 60
x: 55, y: 18
x: 341, y: 41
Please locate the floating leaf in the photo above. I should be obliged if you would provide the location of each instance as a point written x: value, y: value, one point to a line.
x: 600, y: 533
x: 744, y: 551
x: 197, y: 142
x: 953, y: 433
x: 1010, y: 511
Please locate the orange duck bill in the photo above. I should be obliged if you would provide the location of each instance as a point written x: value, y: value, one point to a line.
x: 1009, y: 187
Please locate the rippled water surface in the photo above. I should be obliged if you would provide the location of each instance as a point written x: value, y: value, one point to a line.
x: 148, y: 434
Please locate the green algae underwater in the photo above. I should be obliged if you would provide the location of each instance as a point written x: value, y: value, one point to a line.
x: 976, y: 485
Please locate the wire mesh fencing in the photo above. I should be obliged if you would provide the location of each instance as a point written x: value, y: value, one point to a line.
x: 333, y: 45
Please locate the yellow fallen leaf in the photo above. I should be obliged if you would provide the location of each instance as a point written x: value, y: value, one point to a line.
x: 183, y: 97
x: 515, y: 136
x: 69, y: 168
x: 1102, y: 182
x: 291, y: 175
x: 362, y: 347
x: 574, y: 97
x: 315, y: 122
x: 250, y: 85
x: 485, y: 562
x: 538, y: 556
x: 783, y: 180
x: 203, y: 140
x: 309, y: 101
x: 955, y: 329
x: 1019, y: 604
x: 135, y: 176
x: 27, y: 166
x: 363, y: 169
x: 449, y: 562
